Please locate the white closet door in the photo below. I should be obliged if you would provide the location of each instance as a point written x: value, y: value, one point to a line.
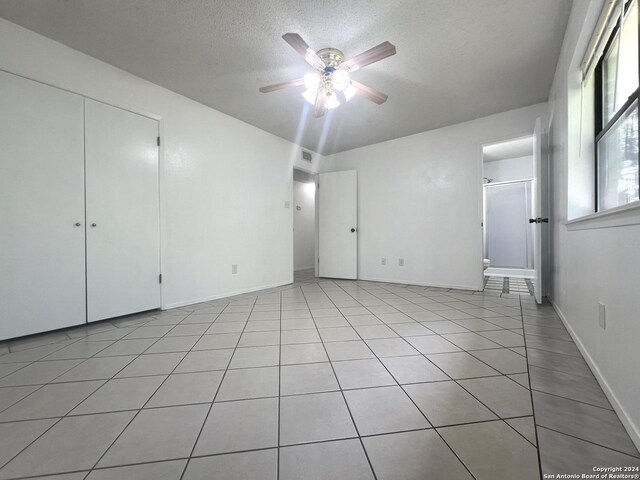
x: 123, y: 227
x: 42, y: 284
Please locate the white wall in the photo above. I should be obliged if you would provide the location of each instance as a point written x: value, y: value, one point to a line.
x: 304, y: 225
x: 419, y: 198
x: 224, y: 182
x: 519, y: 168
x: 595, y: 260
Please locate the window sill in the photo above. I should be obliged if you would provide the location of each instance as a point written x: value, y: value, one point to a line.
x: 615, y: 217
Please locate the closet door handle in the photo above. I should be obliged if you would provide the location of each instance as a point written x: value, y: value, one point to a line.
x: 94, y: 225
x: 77, y: 224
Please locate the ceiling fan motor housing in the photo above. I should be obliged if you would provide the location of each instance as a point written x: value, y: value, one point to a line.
x: 332, y: 58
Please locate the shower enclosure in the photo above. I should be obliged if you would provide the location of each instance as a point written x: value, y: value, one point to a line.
x: 508, y: 235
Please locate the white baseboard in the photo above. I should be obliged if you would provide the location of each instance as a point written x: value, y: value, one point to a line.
x: 631, y: 428
x: 224, y: 295
x: 421, y: 284
x: 303, y: 268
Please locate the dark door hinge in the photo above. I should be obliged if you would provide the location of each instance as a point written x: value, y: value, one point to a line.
x: 160, y: 278
x: 158, y: 141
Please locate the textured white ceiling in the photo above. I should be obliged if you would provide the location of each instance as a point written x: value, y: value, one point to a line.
x: 457, y: 59
x: 516, y: 148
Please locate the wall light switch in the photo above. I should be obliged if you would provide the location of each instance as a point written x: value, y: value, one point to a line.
x: 602, y: 320
x: 234, y: 269
x: 384, y: 261
x: 287, y: 204
x: 401, y: 262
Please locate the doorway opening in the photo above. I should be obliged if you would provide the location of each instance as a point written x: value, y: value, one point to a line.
x: 304, y: 225
x: 509, y: 195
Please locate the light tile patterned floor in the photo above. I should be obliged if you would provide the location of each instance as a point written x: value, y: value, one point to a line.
x: 576, y: 425
x: 319, y: 379
x: 502, y: 284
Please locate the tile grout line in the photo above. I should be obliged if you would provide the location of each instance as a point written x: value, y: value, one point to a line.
x: 59, y: 418
x: 344, y: 399
x: 573, y: 400
x: 636, y: 456
x: 448, y: 376
x: 70, y: 414
x: 412, y: 401
x: 536, y: 425
x: 533, y: 407
x: 470, y: 393
x: 138, y: 411
x: 279, y: 385
x: 331, y: 293
x: 63, y: 417
x: 434, y: 428
x: 206, y: 417
x: 52, y: 381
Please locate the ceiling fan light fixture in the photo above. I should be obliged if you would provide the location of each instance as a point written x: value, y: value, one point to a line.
x: 332, y: 102
x: 349, y: 92
x: 332, y: 76
x: 340, y: 79
x: 310, y: 96
x: 312, y: 82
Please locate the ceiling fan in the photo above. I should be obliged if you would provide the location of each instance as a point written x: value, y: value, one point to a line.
x: 332, y: 76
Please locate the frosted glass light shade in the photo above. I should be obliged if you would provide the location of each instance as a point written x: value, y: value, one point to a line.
x: 312, y: 81
x: 340, y: 79
x: 310, y: 96
x: 332, y: 102
x: 349, y: 92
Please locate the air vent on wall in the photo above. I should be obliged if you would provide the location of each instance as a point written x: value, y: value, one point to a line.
x: 306, y: 156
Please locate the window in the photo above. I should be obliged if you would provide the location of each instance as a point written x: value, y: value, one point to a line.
x: 617, y: 77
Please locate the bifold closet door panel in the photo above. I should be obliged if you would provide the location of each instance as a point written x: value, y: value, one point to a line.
x: 123, y: 226
x: 42, y: 269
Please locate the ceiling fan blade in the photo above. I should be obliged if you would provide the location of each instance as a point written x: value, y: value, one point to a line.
x: 300, y: 46
x: 369, y: 93
x: 318, y: 108
x: 282, y: 85
x: 377, y: 53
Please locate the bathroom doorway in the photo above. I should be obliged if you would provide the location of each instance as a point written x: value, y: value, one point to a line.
x: 304, y: 225
x: 509, y: 181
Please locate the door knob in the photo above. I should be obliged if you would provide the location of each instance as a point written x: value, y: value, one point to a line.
x: 78, y: 224
x: 94, y: 225
x: 353, y: 230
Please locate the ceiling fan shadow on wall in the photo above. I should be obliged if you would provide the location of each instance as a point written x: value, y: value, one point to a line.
x: 332, y: 78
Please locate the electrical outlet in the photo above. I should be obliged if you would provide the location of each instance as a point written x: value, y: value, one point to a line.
x: 287, y: 204
x: 383, y: 261
x: 401, y: 262
x: 602, y: 320
x: 234, y: 269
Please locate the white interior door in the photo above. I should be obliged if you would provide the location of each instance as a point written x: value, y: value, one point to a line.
x: 537, y: 210
x: 123, y: 226
x: 42, y: 284
x: 338, y: 224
